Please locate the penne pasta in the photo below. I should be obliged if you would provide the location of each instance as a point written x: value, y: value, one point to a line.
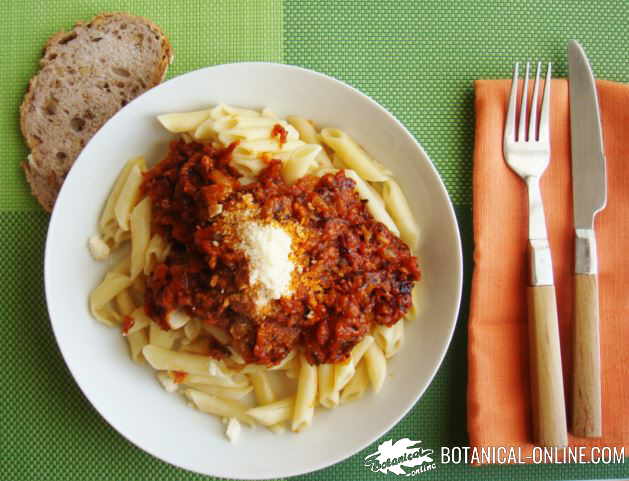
x: 306, y: 129
x: 125, y: 302
x: 183, y: 121
x: 108, y: 224
x: 399, y: 209
x: 353, y: 155
x: 306, y: 397
x: 156, y: 253
x: 235, y: 380
x: 356, y: 387
x: 140, y: 321
x: 123, y: 267
x: 192, y: 329
x: 273, y: 413
x: 389, y: 339
x: 112, y: 285
x: 376, y: 367
x: 140, y: 223
x: 375, y: 204
x: 260, y: 146
x: 414, y: 310
x: 137, y: 341
x: 137, y: 290
x: 328, y: 396
x: 343, y: 372
x: 261, y: 387
x: 205, y: 130
x: 223, y: 392
x: 162, y: 338
x: 167, y: 360
x: 128, y: 198
x: 222, y: 110
x: 301, y: 161
x: 220, y: 407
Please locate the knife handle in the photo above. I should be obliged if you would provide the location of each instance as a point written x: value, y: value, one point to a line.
x: 586, y: 383
x: 548, y: 402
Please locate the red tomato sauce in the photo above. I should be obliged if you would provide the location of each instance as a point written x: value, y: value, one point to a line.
x: 281, y: 134
x: 352, y: 273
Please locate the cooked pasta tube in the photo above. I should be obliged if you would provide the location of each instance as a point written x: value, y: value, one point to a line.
x: 389, y: 339
x: 306, y: 395
x: 167, y: 360
x: 219, y: 406
x: 140, y: 223
x: 128, y: 198
x: 273, y: 413
x: 223, y: 392
x: 328, y: 396
x: 261, y: 387
x: 307, y: 131
x: 376, y: 367
x: 192, y: 329
x: 183, y: 121
x: 353, y: 155
x: 264, y: 393
x: 357, y: 385
x: 156, y: 252
x: 398, y: 207
x: 375, y: 204
x: 107, y: 224
x: 222, y: 110
x: 161, y: 337
x: 413, y: 311
x: 100, y: 297
x: 301, y: 161
x: 220, y: 381
x: 125, y: 303
x: 137, y: 341
x: 343, y: 372
x: 140, y: 321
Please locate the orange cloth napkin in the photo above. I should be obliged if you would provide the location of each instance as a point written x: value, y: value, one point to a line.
x: 498, y: 390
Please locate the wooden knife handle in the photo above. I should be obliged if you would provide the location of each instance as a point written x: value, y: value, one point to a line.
x: 548, y: 402
x: 586, y: 382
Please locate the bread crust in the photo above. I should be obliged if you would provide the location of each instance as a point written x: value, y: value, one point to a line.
x: 44, y: 173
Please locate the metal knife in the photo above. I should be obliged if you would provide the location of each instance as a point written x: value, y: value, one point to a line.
x: 589, y: 191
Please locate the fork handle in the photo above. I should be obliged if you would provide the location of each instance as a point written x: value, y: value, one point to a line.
x: 549, y: 413
x: 586, y: 388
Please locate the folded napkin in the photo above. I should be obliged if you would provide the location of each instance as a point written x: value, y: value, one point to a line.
x: 498, y: 390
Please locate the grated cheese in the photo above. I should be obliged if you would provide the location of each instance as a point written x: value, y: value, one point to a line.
x: 267, y: 248
x: 98, y: 248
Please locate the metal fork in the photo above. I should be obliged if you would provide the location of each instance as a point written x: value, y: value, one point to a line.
x: 527, y: 152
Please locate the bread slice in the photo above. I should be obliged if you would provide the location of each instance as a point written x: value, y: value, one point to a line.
x: 86, y: 76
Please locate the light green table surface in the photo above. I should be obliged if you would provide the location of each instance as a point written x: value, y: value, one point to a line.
x: 417, y: 58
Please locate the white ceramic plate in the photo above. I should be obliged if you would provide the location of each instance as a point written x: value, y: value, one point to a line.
x: 127, y: 395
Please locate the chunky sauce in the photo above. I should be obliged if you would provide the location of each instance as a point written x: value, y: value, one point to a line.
x: 352, y: 272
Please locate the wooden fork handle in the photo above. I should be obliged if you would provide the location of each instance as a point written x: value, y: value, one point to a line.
x: 586, y: 382
x: 549, y: 412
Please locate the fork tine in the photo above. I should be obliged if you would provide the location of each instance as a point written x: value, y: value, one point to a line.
x: 510, y: 123
x: 525, y: 95
x: 533, y: 118
x: 543, y: 120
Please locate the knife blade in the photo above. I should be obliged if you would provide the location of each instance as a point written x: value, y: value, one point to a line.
x: 589, y: 195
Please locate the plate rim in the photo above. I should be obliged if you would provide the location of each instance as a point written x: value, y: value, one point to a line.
x: 454, y: 225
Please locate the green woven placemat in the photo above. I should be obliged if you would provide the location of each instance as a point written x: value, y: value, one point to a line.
x: 418, y: 59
